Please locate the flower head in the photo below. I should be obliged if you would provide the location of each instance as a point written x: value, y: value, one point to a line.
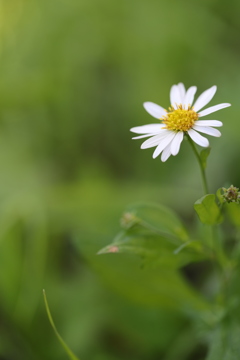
x: 181, y: 118
x: 231, y: 194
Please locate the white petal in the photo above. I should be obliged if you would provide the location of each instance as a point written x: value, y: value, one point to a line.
x: 147, y: 129
x: 175, y: 97
x: 155, y: 140
x: 198, y: 139
x: 175, y: 144
x: 207, y: 130
x: 213, y: 109
x: 205, y: 98
x: 164, y: 143
x: 188, y: 98
x: 215, y: 123
x: 182, y: 91
x: 142, y: 136
x: 155, y: 110
x: 166, y: 153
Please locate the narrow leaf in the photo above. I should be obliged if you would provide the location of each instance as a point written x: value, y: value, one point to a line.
x: 207, y: 210
x: 204, y: 155
x: 219, y: 196
x: 64, y: 345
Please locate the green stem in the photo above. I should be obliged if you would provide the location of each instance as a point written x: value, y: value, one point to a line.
x: 215, y: 240
x: 204, y: 180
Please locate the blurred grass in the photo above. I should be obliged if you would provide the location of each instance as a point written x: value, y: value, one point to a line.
x: 73, y: 76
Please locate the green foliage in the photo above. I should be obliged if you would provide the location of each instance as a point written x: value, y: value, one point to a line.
x: 159, y: 219
x: 62, y: 342
x: 73, y: 76
x: 158, y: 236
x: 160, y: 240
x: 154, y: 249
x: 233, y: 211
x: 219, y: 196
x: 207, y: 210
x: 204, y: 156
x: 225, y: 343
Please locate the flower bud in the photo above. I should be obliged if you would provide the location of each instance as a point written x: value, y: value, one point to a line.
x: 231, y: 194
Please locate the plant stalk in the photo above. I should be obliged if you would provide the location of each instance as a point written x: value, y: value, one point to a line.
x: 203, y: 174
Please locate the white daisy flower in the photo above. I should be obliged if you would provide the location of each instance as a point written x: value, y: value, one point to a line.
x: 181, y: 118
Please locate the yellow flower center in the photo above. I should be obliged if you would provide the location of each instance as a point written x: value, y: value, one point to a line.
x: 179, y: 119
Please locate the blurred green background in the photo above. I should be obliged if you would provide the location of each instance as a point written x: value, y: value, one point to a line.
x: 73, y: 77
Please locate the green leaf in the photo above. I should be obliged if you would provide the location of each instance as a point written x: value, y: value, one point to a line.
x: 157, y: 236
x: 219, y: 196
x: 158, y: 219
x: 204, y: 155
x: 207, y: 210
x: 155, y: 249
x: 154, y: 286
x: 233, y: 212
x: 225, y: 343
x: 64, y: 345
